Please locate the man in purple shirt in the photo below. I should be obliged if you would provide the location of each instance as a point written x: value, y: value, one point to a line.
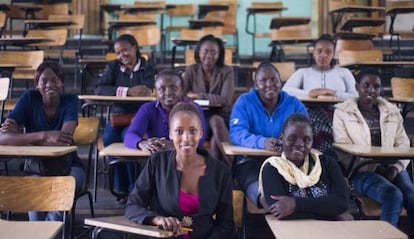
x: 149, y: 128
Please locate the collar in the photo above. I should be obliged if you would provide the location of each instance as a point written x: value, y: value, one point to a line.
x: 123, y: 68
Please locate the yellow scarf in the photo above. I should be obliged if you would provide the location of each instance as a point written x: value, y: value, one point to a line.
x: 291, y: 173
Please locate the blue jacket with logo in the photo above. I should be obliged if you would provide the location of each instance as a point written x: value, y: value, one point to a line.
x: 250, y: 124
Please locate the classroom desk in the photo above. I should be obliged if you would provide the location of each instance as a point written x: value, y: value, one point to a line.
x: 110, y: 98
x: 276, y: 45
x: 278, y: 22
x: 378, y: 64
x: 36, y: 151
x: 393, y: 12
x: 200, y: 23
x: 234, y: 150
x: 252, y: 11
x: 180, y: 42
x: 45, y: 24
x: 406, y: 103
x: 117, y: 24
x: 142, y: 9
x: 353, y: 35
x: 122, y: 224
x: 29, y: 229
x: 317, y: 229
x: 110, y: 9
x: 377, y: 153
x: 203, y: 9
x: 362, y: 22
x: 29, y: 11
x: 22, y: 41
x: 319, y: 102
x: 337, y: 14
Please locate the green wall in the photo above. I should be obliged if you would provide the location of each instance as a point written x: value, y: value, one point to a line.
x: 295, y: 8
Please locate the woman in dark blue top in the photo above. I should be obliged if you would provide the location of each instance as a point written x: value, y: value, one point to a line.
x: 49, y: 117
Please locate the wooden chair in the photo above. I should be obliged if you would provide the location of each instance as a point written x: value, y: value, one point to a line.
x: 353, y: 44
x: 402, y: 87
x: 24, y: 194
x: 180, y: 11
x: 86, y: 133
x: 196, y: 34
x: 29, y: 59
x: 346, y: 57
x: 52, y: 9
x: 58, y: 41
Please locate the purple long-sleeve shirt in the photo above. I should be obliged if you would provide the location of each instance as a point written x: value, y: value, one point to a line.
x: 151, y: 120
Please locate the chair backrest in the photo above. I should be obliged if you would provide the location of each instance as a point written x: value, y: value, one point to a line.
x: 145, y: 35
x: 298, y: 31
x: 58, y: 37
x: 23, y: 194
x: 78, y: 20
x: 196, y: 34
x: 346, y: 57
x: 267, y: 4
x: 140, y: 16
x: 228, y: 16
x: 86, y: 132
x: 353, y: 44
x: 49, y: 9
x: 402, y: 87
x: 25, y: 58
x: 182, y: 10
x: 189, y: 56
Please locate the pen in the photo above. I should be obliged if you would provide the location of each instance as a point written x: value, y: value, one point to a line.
x: 186, y: 229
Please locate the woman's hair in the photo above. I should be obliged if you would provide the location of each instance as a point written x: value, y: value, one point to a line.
x: 186, y: 107
x: 296, y: 118
x: 169, y: 72
x: 366, y: 71
x: 210, y: 38
x: 324, y: 37
x: 130, y: 39
x: 266, y: 64
x: 54, y: 66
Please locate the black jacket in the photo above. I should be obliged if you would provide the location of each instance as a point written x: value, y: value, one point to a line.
x: 157, y: 189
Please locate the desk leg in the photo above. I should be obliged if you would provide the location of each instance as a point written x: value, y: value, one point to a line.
x: 174, y: 49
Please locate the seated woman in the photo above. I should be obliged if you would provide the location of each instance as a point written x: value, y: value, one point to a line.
x: 48, y: 117
x: 371, y: 120
x: 184, y: 186
x: 129, y: 75
x: 149, y: 128
x: 302, y: 183
x: 211, y: 79
x: 322, y: 80
x: 256, y: 122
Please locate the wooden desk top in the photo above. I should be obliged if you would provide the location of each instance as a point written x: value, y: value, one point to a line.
x: 110, y: 8
x: 375, y: 151
x: 316, y: 229
x: 124, y: 23
x: 120, y: 150
x: 200, y: 23
x: 117, y: 98
x: 120, y: 223
x: 49, y: 22
x: 35, y: 151
x: 278, y: 22
x: 356, y: 8
x: 29, y: 229
x: 22, y: 41
x: 136, y: 8
x: 362, y: 22
x: 290, y: 40
x: 400, y: 10
x: 230, y: 149
x: 320, y: 100
x: 378, y: 63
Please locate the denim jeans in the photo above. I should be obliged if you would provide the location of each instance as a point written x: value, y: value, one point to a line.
x: 124, y: 176
x: 391, y: 195
x: 79, y: 174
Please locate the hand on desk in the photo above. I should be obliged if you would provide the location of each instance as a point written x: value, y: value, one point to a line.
x: 155, y: 144
x: 322, y: 92
x: 283, y: 207
x: 57, y: 137
x: 9, y: 126
x: 273, y: 144
x: 139, y: 90
x: 168, y: 223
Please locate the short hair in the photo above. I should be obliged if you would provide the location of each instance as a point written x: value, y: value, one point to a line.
x: 266, y: 64
x: 130, y: 39
x: 367, y: 71
x: 54, y: 66
x: 295, y: 118
x: 326, y: 38
x: 170, y: 72
x: 186, y: 107
x: 210, y: 38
